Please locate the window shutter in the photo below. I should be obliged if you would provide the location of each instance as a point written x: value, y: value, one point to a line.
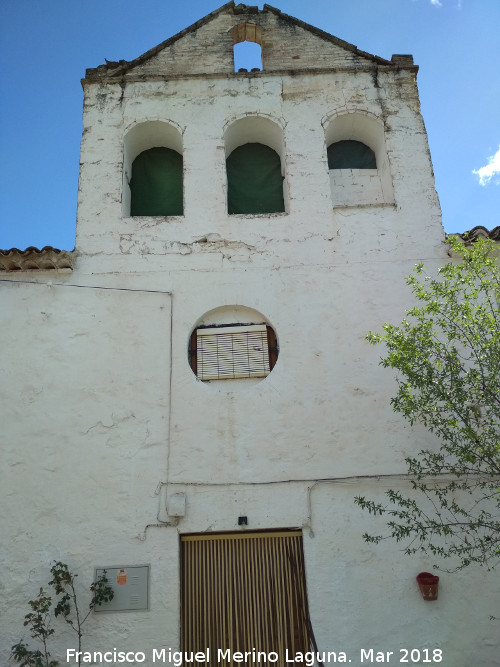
x: 232, y: 352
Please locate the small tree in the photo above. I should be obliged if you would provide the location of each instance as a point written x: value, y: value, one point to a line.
x: 447, y: 354
x: 39, y: 620
x: 39, y: 623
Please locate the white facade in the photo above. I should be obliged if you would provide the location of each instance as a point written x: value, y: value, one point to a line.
x: 105, y: 423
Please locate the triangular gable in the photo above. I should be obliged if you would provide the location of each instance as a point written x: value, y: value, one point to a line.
x: 206, y: 46
x: 122, y: 66
x: 325, y: 35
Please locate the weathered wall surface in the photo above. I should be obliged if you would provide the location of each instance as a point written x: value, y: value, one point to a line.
x: 303, y: 107
x: 286, y: 45
x: 84, y: 433
x: 104, y: 419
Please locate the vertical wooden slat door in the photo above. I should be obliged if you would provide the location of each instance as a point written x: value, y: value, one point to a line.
x: 244, y: 592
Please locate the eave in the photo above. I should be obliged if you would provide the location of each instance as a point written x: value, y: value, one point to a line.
x: 34, y: 259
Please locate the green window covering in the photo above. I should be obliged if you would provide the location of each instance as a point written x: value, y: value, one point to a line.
x: 254, y: 180
x: 156, y: 184
x: 350, y: 155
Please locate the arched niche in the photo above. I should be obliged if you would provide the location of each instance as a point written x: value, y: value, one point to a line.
x: 259, y: 131
x: 360, y: 186
x: 140, y: 138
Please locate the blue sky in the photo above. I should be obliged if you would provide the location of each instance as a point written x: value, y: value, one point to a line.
x: 46, y: 45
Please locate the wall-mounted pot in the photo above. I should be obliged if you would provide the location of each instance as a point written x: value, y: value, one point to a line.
x: 428, y: 584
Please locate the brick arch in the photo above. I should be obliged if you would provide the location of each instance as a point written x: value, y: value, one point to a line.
x: 247, y: 32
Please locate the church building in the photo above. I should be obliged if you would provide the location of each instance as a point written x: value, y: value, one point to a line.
x: 188, y: 398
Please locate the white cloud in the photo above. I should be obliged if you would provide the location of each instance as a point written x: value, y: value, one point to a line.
x: 491, y: 171
x: 438, y: 3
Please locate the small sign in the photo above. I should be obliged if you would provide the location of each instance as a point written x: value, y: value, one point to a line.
x: 121, y: 577
x: 130, y: 584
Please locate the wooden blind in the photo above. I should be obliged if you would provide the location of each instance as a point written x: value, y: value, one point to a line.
x: 244, y: 592
x: 232, y: 352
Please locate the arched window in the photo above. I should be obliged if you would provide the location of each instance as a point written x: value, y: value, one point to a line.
x: 350, y: 154
x: 247, y: 50
x: 247, y: 57
x: 254, y: 180
x: 156, y: 183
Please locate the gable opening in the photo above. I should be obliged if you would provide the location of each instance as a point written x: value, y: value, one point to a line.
x: 247, y: 57
x: 247, y: 49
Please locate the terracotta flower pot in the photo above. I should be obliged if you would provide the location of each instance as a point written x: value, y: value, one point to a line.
x: 428, y: 584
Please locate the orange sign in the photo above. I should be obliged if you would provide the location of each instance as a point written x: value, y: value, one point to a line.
x: 121, y: 577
